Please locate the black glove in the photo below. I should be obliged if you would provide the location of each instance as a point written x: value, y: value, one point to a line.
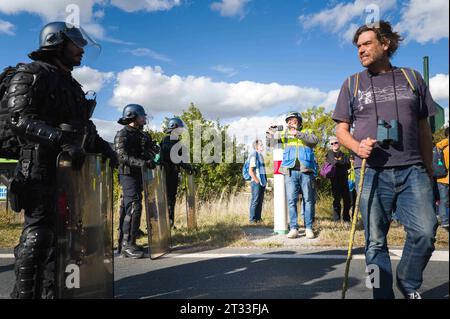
x: 109, y: 153
x: 196, y: 171
x: 150, y: 164
x: 76, y: 153
x: 113, y: 160
x: 190, y: 170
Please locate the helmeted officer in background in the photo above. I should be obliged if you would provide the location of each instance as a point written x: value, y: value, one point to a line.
x: 135, y: 150
x: 171, y: 165
x: 50, y: 114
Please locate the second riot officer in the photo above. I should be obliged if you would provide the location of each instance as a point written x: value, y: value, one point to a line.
x: 135, y: 149
x: 171, y: 165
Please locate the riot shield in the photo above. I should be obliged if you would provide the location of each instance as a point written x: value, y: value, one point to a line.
x: 191, y: 216
x: 156, y: 211
x: 84, y: 251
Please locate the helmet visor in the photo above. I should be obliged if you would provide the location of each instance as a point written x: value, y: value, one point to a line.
x: 82, y: 39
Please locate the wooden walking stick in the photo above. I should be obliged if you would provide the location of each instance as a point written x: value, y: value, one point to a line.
x: 353, y: 231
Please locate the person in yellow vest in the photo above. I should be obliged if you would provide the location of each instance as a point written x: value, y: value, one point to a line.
x: 443, y: 184
x: 300, y: 169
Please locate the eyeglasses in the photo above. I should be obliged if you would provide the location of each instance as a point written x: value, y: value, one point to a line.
x: 334, y: 143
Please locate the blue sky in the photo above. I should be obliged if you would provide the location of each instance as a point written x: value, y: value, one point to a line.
x: 242, y: 61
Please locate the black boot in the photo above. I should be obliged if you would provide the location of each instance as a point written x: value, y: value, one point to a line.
x: 132, y: 251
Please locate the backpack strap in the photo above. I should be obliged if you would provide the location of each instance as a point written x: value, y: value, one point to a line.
x: 353, y: 85
x: 411, y: 77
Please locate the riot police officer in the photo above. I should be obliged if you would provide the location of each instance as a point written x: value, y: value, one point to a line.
x: 135, y: 150
x: 50, y: 114
x: 173, y: 166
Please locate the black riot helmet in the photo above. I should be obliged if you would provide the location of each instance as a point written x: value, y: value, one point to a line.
x: 54, y: 34
x: 175, y: 123
x: 130, y: 113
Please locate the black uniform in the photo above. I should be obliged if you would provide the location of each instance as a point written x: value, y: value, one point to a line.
x: 41, y: 97
x: 134, y: 149
x: 339, y: 184
x: 172, y: 171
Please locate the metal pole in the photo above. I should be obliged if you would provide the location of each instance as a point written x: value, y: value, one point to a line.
x: 426, y: 77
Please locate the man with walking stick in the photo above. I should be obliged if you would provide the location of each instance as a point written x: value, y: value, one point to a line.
x: 388, y: 108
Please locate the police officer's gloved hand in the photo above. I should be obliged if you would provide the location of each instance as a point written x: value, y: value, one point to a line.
x: 113, y: 159
x: 76, y: 153
x: 150, y: 164
x: 196, y: 171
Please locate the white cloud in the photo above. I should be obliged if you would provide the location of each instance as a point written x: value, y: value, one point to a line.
x: 148, y: 53
x: 52, y: 10
x: 230, y: 8
x: 439, y: 87
x: 147, y: 5
x: 55, y: 10
x: 228, y: 71
x: 248, y: 129
x: 338, y: 19
x: 163, y: 93
x: 6, y: 27
x: 425, y: 21
x: 107, y: 129
x: 330, y: 101
x: 92, y: 79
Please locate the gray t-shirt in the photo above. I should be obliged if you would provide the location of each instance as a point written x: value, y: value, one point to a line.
x: 410, y: 109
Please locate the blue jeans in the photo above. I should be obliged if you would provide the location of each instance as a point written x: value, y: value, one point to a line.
x: 256, y: 201
x: 443, y: 203
x: 407, y: 191
x: 302, y: 183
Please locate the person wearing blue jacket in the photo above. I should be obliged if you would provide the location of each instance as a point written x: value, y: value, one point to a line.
x: 300, y: 169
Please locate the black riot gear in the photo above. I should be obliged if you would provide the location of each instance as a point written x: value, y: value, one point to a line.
x: 172, y: 169
x: 135, y: 150
x: 43, y: 100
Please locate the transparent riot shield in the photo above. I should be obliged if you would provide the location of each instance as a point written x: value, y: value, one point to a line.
x: 190, y: 201
x: 156, y: 211
x: 84, y: 253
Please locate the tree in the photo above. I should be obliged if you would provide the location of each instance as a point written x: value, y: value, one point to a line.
x: 213, y: 179
x: 323, y: 126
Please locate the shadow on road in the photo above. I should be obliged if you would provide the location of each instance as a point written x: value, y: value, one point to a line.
x: 233, y: 278
x: 441, y: 290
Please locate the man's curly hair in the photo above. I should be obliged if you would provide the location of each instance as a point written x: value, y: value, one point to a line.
x: 384, y: 33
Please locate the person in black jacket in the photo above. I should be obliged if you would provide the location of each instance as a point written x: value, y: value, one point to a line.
x: 135, y: 150
x: 339, y: 182
x: 173, y: 166
x: 44, y: 101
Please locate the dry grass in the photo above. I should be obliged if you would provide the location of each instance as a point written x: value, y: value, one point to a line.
x: 220, y: 224
x: 10, y: 228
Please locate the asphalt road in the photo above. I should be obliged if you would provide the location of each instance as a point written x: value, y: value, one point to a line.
x: 248, y: 274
